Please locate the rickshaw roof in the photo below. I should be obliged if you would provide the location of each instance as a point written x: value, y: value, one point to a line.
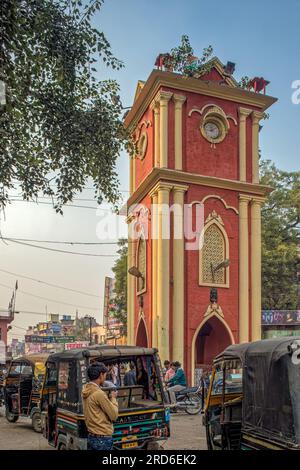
x: 32, y: 358
x: 269, y: 347
x: 271, y: 386
x: 102, y: 351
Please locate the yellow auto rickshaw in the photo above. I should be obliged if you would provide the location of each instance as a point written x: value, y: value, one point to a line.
x: 23, y: 388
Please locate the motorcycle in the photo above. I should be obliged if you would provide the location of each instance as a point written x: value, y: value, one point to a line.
x: 189, y: 400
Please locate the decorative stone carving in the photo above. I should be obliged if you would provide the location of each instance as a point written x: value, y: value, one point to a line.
x: 214, y: 216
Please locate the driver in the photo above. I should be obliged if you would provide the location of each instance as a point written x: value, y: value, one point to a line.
x: 177, y: 382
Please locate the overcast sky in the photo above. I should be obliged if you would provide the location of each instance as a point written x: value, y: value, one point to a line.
x: 262, y: 38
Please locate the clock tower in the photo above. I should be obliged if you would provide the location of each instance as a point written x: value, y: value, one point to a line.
x: 196, y: 165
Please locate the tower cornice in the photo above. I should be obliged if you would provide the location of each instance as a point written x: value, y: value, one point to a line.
x: 174, y: 177
x: 159, y: 79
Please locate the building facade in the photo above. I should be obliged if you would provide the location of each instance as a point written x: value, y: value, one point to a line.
x: 196, y: 165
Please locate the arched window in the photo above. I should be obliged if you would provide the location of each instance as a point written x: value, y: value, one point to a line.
x: 141, y: 264
x: 214, y: 250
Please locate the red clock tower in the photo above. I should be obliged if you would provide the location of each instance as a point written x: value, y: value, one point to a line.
x: 197, y: 147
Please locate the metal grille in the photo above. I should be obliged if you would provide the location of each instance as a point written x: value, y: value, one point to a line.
x: 213, y: 252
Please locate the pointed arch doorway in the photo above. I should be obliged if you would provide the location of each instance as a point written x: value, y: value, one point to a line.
x: 141, y: 336
x: 211, y: 337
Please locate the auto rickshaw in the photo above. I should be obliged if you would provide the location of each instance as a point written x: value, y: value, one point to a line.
x: 253, y: 400
x: 3, y: 372
x: 23, y: 388
x: 144, y: 413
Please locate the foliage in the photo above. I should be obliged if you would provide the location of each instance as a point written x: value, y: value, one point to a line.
x: 181, y: 59
x: 280, y: 237
x: 61, y: 124
x: 120, y: 289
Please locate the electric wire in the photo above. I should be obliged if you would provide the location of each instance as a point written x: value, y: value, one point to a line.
x: 49, y: 284
x: 51, y: 300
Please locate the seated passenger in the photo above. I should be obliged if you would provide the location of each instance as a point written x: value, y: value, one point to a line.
x: 142, y: 377
x: 130, y: 375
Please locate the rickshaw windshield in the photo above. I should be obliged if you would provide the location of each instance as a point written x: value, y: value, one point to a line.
x: 233, y: 381
x: 137, y: 378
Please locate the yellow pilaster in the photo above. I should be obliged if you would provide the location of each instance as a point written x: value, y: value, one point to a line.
x: 155, y: 107
x: 178, y: 274
x: 243, y: 113
x: 256, y: 268
x: 154, y: 236
x: 256, y: 117
x: 131, y: 174
x: 178, y: 100
x: 243, y: 269
x: 163, y: 269
x: 130, y: 286
x: 164, y: 98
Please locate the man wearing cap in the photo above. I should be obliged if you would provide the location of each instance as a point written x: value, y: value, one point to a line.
x: 99, y: 410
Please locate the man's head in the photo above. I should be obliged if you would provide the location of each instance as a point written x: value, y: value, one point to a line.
x: 167, y: 364
x: 175, y: 365
x: 132, y: 366
x: 97, y: 372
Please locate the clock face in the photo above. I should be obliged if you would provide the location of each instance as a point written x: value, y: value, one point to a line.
x: 211, y: 130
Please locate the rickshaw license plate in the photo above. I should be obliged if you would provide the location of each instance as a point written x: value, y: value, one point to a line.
x: 129, y: 445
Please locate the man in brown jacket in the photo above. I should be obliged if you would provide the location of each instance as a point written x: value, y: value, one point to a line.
x: 99, y: 410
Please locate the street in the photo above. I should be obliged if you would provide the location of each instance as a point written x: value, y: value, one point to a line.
x: 187, y: 433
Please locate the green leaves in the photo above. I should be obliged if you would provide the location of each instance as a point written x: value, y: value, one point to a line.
x: 120, y: 289
x: 61, y: 123
x: 181, y: 59
x: 280, y: 230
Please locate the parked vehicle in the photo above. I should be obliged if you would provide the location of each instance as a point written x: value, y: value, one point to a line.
x: 23, y: 387
x: 189, y: 400
x: 3, y: 372
x: 254, y: 395
x: 143, y: 408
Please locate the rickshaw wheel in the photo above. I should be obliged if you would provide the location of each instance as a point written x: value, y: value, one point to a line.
x: 37, y: 422
x: 208, y: 438
x: 11, y: 417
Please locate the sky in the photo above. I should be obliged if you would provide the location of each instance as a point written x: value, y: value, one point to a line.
x: 262, y: 38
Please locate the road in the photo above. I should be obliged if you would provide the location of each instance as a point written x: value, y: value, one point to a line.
x: 187, y: 433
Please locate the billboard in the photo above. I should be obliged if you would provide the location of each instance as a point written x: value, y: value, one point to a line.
x: 280, y: 317
x: 76, y: 345
x: 35, y: 339
x: 108, y: 294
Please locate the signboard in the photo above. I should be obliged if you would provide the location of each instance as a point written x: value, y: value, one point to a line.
x: 76, y: 345
x: 280, y: 317
x: 54, y: 317
x: 108, y: 294
x: 48, y: 339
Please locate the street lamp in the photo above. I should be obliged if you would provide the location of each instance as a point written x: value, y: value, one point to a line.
x: 214, y: 269
x: 134, y: 271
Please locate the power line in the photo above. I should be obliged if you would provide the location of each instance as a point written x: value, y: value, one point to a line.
x: 50, y: 300
x: 65, y: 205
x: 20, y: 327
x: 27, y: 312
x: 59, y: 242
x: 49, y: 284
x: 59, y: 251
